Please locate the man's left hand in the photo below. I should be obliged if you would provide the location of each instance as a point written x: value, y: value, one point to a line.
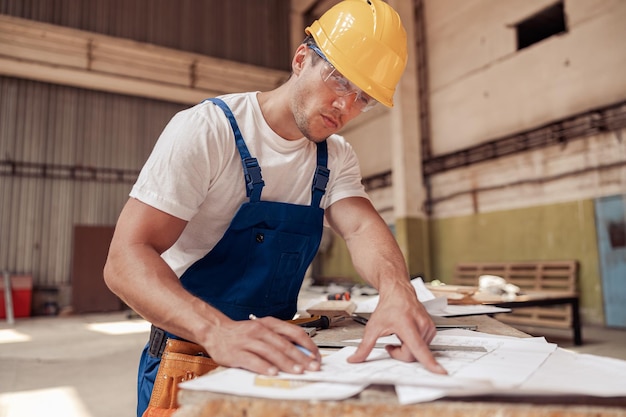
x: 400, y: 313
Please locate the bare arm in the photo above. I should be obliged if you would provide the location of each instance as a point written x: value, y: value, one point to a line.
x: 378, y: 259
x: 136, y: 272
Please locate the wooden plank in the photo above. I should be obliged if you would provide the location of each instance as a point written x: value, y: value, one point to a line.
x: 142, y: 61
x: 176, y: 76
x: 104, y: 82
x: 31, y: 32
x: 43, y: 56
x: 25, y: 39
x: 208, y: 74
x: 44, y: 52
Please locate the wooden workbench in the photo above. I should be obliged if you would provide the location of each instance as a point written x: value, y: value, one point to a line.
x: 381, y: 401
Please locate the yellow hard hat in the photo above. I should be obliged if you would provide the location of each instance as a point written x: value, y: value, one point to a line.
x: 366, y: 42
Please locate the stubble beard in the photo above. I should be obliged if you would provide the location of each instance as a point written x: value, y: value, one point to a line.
x: 303, y: 121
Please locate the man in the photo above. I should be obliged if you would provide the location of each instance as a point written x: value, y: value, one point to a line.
x: 227, y: 215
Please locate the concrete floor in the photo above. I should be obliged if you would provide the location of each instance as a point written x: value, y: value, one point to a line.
x: 81, y: 366
x: 85, y: 366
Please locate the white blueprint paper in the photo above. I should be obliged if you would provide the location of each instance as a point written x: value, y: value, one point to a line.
x: 240, y: 382
x: 477, y: 363
x: 581, y: 374
x: 437, y: 306
x: 492, y: 363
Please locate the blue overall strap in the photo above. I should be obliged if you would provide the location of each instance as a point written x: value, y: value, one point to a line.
x: 251, y: 168
x: 320, y: 180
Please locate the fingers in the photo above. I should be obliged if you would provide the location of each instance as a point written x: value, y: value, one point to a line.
x: 255, y: 363
x: 267, y: 346
x: 287, y: 357
x: 415, y: 340
x: 421, y: 353
x: 365, y: 347
x: 296, y: 335
x: 414, y: 346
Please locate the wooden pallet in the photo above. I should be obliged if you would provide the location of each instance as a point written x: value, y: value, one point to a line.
x: 547, y: 277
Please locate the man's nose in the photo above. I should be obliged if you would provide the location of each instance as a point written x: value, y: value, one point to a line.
x: 344, y: 103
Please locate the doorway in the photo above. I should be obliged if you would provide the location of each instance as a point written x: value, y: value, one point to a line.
x: 611, y: 230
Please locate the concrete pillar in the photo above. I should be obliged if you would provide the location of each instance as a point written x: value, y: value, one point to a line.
x: 411, y: 222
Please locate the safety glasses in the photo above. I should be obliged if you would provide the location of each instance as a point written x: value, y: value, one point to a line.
x: 340, y: 85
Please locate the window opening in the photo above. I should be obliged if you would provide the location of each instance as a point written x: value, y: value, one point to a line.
x: 542, y: 25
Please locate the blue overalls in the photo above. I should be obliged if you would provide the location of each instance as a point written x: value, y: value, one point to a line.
x: 259, y: 264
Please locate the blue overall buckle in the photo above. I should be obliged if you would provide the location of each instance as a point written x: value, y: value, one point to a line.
x: 321, y: 178
x: 252, y: 174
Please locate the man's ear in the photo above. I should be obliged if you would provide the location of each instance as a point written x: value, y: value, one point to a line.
x: 298, y: 59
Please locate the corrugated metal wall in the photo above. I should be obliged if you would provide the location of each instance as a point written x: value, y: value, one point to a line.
x: 250, y: 31
x: 67, y: 156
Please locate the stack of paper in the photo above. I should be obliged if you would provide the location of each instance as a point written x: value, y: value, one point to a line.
x: 477, y: 364
x: 436, y: 306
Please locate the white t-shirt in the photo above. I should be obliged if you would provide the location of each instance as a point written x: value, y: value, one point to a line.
x: 195, y: 172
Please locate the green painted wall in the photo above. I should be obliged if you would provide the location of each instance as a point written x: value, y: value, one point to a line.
x: 552, y: 232
x: 334, y: 260
x: 412, y: 236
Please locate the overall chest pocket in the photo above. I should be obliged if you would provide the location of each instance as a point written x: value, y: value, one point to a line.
x: 275, y: 265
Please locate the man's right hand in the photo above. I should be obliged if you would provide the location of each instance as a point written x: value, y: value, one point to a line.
x: 265, y: 345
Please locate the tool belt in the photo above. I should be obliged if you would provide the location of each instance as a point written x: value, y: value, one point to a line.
x: 180, y: 361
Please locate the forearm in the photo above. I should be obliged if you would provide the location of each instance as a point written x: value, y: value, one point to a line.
x: 378, y: 259
x: 140, y: 277
x: 374, y: 251
x: 143, y: 280
x: 136, y: 272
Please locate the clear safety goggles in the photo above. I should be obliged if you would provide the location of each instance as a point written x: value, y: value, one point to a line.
x: 341, y: 86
